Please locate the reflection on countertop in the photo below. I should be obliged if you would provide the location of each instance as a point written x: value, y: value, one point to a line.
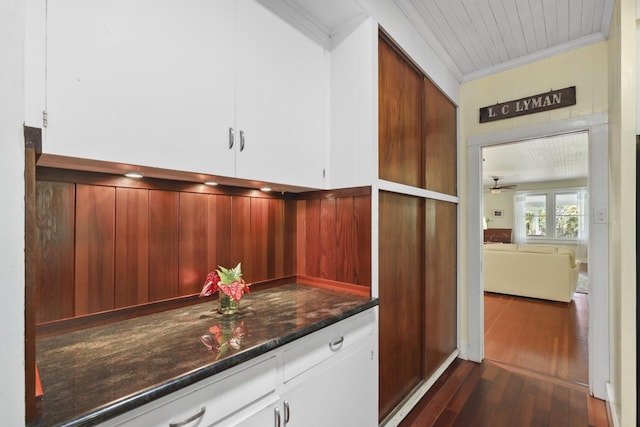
x: 92, y: 375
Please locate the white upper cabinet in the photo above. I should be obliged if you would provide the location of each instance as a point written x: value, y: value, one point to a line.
x: 280, y: 100
x: 168, y: 83
x: 148, y: 82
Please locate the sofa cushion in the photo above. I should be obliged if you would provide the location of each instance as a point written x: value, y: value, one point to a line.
x: 503, y: 247
x: 538, y: 249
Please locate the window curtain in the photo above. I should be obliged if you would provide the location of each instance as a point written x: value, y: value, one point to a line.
x: 519, y: 234
x: 583, y: 225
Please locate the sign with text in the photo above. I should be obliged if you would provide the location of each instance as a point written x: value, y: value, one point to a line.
x: 529, y: 105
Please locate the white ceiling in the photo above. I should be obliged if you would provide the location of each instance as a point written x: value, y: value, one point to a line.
x: 480, y: 37
x: 557, y: 158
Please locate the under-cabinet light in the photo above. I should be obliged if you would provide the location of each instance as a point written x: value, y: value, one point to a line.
x: 211, y: 183
x: 265, y: 189
x: 136, y: 175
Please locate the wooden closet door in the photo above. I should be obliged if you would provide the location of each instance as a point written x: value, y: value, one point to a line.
x: 401, y: 271
x: 400, y: 145
x: 440, y: 141
x: 441, y: 283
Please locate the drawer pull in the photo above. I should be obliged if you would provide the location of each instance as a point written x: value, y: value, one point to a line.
x: 336, y: 345
x: 190, y: 419
x: 287, y: 412
x: 276, y: 417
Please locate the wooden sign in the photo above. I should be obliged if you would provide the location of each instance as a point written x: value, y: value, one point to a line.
x: 529, y: 105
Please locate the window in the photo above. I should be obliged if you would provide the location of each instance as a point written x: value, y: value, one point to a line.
x: 553, y: 214
x: 536, y: 215
x: 567, y: 216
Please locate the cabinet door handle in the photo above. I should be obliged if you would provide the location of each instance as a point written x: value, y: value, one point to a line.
x: 287, y: 412
x: 231, y: 137
x: 190, y: 419
x: 336, y: 345
x: 276, y: 417
x: 241, y: 140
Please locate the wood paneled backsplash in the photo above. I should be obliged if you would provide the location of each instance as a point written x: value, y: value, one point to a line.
x: 105, y: 242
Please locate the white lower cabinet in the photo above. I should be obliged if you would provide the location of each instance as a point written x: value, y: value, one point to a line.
x: 328, y: 378
x: 339, y: 395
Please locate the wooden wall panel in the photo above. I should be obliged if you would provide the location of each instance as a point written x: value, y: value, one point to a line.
x: 275, y: 238
x: 132, y: 247
x: 362, y: 250
x: 259, y: 235
x: 218, y: 232
x: 440, y: 141
x: 400, y: 118
x: 441, y: 291
x: 289, y: 234
x: 55, y: 228
x: 95, y: 248
x: 241, y: 245
x: 312, y: 238
x: 328, y: 259
x: 163, y: 244
x: 401, y: 282
x: 193, y: 264
x: 346, y: 241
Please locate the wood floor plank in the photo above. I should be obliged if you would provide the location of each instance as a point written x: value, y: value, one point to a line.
x: 578, y: 415
x: 474, y: 403
x: 438, y: 398
x: 560, y: 407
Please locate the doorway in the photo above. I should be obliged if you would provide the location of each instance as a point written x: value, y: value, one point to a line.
x: 596, y: 127
x: 535, y: 195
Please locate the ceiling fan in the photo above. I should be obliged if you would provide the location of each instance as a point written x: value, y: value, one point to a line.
x: 496, y: 189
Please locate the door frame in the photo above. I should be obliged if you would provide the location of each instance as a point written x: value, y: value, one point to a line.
x: 598, y: 246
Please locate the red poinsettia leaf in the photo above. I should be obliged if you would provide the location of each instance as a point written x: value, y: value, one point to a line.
x: 210, y: 284
x: 235, y: 290
x: 225, y: 290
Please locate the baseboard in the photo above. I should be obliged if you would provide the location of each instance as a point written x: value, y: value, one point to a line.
x: 403, y: 409
x: 611, y: 406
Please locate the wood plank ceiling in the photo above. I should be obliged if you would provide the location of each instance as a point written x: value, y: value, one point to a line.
x: 558, y: 158
x: 480, y: 37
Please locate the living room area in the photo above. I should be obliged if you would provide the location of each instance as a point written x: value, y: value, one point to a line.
x: 535, y: 257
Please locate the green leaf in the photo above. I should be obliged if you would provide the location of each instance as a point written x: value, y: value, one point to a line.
x: 229, y: 275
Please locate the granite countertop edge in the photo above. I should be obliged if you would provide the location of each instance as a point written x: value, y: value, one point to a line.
x: 133, y: 401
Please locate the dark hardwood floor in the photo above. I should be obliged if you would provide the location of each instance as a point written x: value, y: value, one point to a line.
x: 535, y: 372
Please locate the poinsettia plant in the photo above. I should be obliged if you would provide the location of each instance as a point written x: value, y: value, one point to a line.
x: 229, y: 281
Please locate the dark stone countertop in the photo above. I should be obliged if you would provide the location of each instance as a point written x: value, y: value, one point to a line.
x: 95, y: 374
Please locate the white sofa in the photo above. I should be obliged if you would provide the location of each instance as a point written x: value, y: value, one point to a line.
x: 535, y: 271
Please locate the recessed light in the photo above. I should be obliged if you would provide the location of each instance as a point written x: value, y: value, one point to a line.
x: 265, y: 189
x: 211, y: 183
x: 136, y: 175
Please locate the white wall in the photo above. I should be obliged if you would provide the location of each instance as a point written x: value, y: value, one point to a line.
x: 12, y: 24
x: 622, y: 212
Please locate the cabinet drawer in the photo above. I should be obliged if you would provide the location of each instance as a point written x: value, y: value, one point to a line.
x: 326, y: 343
x: 216, y: 399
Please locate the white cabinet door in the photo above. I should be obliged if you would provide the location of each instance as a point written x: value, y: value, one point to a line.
x: 344, y: 394
x: 148, y: 82
x: 281, y: 90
